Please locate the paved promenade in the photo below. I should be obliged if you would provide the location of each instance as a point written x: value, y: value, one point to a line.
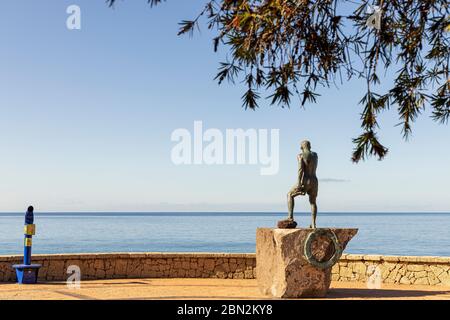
x: 203, y: 289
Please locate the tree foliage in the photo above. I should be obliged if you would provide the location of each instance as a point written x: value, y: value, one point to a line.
x: 293, y: 47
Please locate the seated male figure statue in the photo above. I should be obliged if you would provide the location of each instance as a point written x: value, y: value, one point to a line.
x: 307, y: 181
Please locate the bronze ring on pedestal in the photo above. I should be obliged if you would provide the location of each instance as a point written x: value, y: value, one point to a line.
x: 308, y: 248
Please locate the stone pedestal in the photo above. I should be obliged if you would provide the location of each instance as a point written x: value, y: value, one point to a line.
x: 294, y: 263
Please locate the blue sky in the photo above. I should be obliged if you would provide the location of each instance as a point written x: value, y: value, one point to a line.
x: 86, y: 118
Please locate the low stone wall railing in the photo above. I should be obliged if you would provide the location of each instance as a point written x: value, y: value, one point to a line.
x: 393, y: 269
x: 137, y: 265
x: 351, y: 267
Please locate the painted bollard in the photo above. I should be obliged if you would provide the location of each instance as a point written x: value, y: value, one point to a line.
x: 27, y: 273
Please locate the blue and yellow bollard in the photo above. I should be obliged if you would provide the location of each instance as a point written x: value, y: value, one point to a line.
x: 27, y: 273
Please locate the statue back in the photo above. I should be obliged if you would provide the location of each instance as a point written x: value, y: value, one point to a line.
x: 307, y: 170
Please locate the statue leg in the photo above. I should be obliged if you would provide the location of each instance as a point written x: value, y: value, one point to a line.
x: 290, y: 201
x: 312, y: 201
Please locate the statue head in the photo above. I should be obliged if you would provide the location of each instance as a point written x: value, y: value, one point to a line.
x: 305, y: 145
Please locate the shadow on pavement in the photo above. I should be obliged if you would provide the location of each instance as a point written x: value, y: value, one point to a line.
x: 340, y: 293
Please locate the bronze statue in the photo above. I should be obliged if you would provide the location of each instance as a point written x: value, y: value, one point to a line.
x: 307, y: 183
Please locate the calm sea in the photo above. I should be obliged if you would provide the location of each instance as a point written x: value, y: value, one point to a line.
x: 425, y: 234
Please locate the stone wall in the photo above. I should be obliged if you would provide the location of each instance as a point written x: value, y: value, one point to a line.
x: 393, y: 269
x: 137, y: 265
x: 388, y: 269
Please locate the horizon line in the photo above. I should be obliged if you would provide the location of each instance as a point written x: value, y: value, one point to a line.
x: 206, y: 211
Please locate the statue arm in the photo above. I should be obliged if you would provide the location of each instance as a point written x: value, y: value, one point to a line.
x: 301, y: 170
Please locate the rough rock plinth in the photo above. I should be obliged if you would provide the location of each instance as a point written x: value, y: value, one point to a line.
x: 285, y: 270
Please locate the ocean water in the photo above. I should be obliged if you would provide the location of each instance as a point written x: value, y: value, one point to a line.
x: 424, y: 234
